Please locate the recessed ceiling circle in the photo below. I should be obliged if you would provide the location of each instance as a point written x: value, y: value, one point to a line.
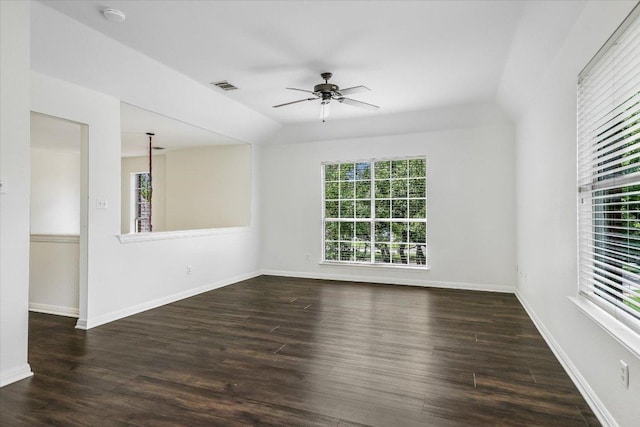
x: 113, y: 15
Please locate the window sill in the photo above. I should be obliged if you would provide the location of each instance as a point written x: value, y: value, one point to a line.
x: 376, y: 266
x: 182, y: 234
x: 618, y: 330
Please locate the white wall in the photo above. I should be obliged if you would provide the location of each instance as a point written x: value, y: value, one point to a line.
x: 546, y: 222
x: 132, y: 165
x: 100, y: 115
x: 14, y: 204
x: 470, y: 214
x: 208, y: 187
x: 55, y: 191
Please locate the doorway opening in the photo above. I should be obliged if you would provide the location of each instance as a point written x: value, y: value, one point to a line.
x: 58, y: 218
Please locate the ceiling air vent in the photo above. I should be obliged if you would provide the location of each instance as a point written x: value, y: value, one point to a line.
x: 224, y: 85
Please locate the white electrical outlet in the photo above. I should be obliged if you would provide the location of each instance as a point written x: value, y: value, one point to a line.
x: 3, y: 186
x: 308, y: 257
x: 101, y: 204
x: 624, y: 374
x: 188, y: 269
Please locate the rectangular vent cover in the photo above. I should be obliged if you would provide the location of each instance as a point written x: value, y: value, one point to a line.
x: 224, y: 85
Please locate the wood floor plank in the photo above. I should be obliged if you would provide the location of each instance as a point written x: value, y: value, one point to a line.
x: 286, y: 351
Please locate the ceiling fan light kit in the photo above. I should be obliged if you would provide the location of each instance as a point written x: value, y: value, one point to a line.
x: 328, y: 91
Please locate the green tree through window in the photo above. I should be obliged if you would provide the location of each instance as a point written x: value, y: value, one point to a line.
x: 375, y: 212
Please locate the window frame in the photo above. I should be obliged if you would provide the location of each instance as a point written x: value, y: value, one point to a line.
x: 134, y: 192
x: 594, y: 216
x: 372, y: 242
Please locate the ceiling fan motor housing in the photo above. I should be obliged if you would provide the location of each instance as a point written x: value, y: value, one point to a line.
x: 325, y: 89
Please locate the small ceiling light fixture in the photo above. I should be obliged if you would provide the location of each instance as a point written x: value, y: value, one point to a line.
x: 113, y: 15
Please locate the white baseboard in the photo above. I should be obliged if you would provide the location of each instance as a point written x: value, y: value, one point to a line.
x: 53, y: 309
x: 394, y: 281
x: 139, y: 308
x: 596, y: 405
x: 16, y: 374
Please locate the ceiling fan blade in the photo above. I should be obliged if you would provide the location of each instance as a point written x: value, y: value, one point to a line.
x: 294, y: 102
x: 301, y: 90
x: 354, y: 89
x: 360, y: 104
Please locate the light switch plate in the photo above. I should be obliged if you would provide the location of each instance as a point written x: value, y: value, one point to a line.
x: 624, y: 374
x: 101, y: 204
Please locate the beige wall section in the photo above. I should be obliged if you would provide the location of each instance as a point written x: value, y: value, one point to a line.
x: 209, y: 187
x: 132, y: 165
x: 55, y: 229
x: 194, y: 188
x: 54, y: 274
x: 55, y: 191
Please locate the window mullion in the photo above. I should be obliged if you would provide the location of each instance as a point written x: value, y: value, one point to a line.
x: 372, y: 215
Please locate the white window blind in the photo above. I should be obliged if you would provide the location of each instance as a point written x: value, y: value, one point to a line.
x: 609, y: 175
x: 375, y: 212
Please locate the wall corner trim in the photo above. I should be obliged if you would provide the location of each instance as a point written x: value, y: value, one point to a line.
x: 16, y: 374
x: 596, y: 405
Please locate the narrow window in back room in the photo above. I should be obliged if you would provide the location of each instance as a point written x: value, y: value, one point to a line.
x: 142, y: 203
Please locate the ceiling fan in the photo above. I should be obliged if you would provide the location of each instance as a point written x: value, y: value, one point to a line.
x: 327, y: 91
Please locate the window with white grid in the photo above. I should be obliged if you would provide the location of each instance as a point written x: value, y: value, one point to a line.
x: 609, y: 175
x: 375, y: 212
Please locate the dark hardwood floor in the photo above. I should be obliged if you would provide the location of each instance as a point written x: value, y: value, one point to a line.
x: 282, y: 351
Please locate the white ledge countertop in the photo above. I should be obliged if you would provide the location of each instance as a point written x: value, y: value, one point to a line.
x: 181, y: 234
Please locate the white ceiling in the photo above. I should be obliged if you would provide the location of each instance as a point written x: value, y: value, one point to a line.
x: 414, y: 55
